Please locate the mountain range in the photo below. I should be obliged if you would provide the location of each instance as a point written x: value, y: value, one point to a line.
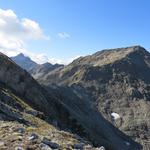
x: 97, y: 101
x: 115, y: 81
x: 35, y: 69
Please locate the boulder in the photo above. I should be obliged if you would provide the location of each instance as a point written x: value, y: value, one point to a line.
x: 50, y: 143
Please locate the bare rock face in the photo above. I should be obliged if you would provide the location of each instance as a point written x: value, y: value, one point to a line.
x: 112, y: 81
x: 22, y: 83
x: 25, y: 102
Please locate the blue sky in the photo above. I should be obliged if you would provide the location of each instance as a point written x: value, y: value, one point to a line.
x: 87, y: 25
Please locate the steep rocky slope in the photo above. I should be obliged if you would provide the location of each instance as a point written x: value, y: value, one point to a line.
x: 24, y: 128
x: 117, y: 83
x: 25, y: 104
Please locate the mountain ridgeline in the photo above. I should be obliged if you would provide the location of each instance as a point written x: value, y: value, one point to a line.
x: 115, y: 81
x: 36, y: 70
x: 32, y: 111
x: 24, y: 61
x: 103, y: 98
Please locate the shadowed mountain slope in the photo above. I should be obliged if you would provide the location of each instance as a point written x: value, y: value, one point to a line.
x: 116, y: 82
x: 54, y: 106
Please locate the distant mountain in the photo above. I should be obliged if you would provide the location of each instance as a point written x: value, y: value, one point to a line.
x: 117, y: 84
x: 36, y: 70
x: 40, y: 70
x: 24, y: 61
x: 50, y: 117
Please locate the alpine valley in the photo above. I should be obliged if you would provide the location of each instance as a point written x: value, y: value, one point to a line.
x: 100, y: 101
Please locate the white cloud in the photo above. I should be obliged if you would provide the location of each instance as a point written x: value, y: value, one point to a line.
x: 12, y: 26
x: 63, y: 35
x: 15, y: 33
x: 42, y: 58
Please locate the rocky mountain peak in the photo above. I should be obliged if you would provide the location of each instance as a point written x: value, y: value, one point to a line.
x: 107, y: 56
x: 21, y: 55
x: 24, y: 61
x: 47, y: 64
x: 121, y: 51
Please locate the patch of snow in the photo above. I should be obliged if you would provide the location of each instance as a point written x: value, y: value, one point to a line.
x: 115, y: 115
x: 101, y: 148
